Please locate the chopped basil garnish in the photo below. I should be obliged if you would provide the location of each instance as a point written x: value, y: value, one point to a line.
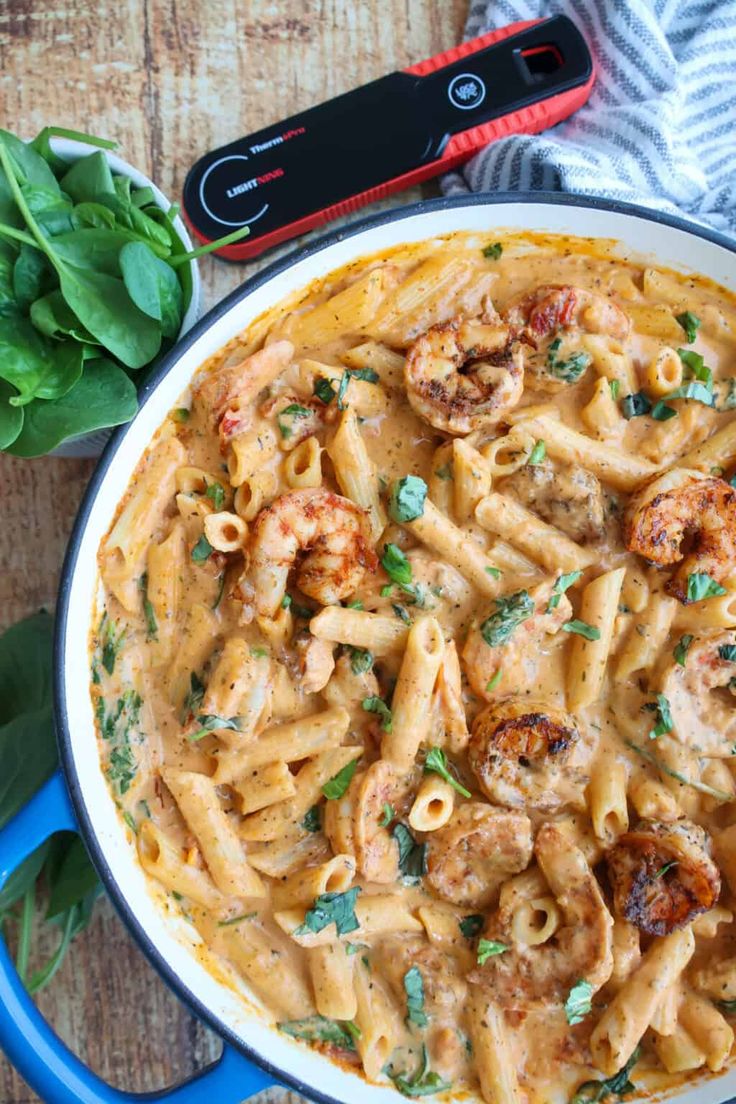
x: 690, y: 324
x: 570, y: 370
x: 444, y: 472
x: 634, y: 406
x: 562, y: 583
x: 470, y: 926
x: 582, y: 628
x: 436, y: 763
x: 210, y: 722
x: 727, y: 652
x: 293, y: 411
x: 664, y: 717
x: 590, y: 1092
x: 318, y: 1029
x: 312, y: 822
x: 216, y: 494
x: 387, y: 815
x: 423, y: 1082
x: 614, y: 386
x: 377, y: 705
x: 112, y: 641
x: 578, y: 1003
x: 407, y: 498
x: 202, y: 550
x: 493, y: 252
x: 337, y: 785
x: 701, y: 787
x: 537, y: 455
x: 487, y: 948
x: 324, y: 390
x: 412, y: 855
x: 494, y: 681
x: 332, y: 908
x: 398, y: 568
x: 511, y: 610
x: 681, y: 648
x: 366, y: 374
x: 361, y: 660
x: 148, y: 611
x: 700, y: 586
x: 414, y: 989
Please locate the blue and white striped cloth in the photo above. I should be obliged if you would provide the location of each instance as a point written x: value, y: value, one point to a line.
x: 660, y: 126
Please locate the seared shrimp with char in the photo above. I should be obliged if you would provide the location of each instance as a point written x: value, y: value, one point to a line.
x: 510, y: 639
x: 565, y: 495
x: 662, y: 875
x: 326, y: 537
x: 464, y: 374
x: 476, y: 851
x: 529, y: 977
x: 355, y: 823
x: 677, y: 505
x: 528, y: 755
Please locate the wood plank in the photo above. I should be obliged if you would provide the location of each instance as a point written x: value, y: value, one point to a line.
x: 169, y: 79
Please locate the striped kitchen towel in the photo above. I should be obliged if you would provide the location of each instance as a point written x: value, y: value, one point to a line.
x: 660, y: 126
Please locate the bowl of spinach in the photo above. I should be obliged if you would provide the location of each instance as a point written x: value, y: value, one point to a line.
x: 98, y: 278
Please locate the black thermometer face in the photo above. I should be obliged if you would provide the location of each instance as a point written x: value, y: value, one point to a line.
x: 374, y: 134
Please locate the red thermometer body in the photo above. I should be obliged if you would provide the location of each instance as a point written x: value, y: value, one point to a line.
x: 396, y: 131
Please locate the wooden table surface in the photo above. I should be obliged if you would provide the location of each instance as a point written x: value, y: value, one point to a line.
x: 169, y: 80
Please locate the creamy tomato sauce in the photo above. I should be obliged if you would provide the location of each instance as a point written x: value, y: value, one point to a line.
x: 416, y: 660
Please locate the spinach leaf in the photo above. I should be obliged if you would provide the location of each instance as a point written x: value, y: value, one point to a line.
x: 23, y: 877
x: 30, y: 275
x: 682, y: 647
x: 52, y: 317
x: 153, y: 286
x: 332, y: 908
x: 88, y: 179
x: 664, y: 717
x: 92, y: 216
x: 582, y: 628
x: 31, y: 166
x: 511, y: 610
x: 75, y: 878
x: 32, y: 365
x: 690, y: 324
x: 569, y: 370
x: 11, y: 417
x: 103, y: 396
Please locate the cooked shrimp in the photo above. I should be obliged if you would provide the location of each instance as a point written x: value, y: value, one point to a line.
x: 353, y: 825
x: 662, y: 875
x: 700, y: 697
x: 678, y: 504
x: 528, y: 754
x: 349, y: 688
x: 330, y: 533
x: 464, y: 375
x: 528, y: 977
x: 297, y: 418
x: 469, y: 859
x: 444, y: 989
x: 228, y: 392
x: 517, y: 657
x: 316, y: 662
x: 554, y: 307
x: 565, y: 495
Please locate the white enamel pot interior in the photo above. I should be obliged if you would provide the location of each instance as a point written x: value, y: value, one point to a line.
x: 641, y: 234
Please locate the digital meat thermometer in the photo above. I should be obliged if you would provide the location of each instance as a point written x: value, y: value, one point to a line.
x: 405, y: 127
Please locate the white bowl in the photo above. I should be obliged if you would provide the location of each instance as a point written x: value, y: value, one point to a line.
x: 92, y: 444
x: 642, y: 234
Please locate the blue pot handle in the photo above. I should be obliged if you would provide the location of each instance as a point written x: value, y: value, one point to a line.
x: 34, y: 1049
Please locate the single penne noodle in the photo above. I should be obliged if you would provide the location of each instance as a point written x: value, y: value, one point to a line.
x: 505, y: 455
x: 333, y: 876
x: 165, y: 568
x: 706, y: 925
x: 601, y: 413
x: 627, y: 1017
x: 718, y: 450
x: 249, y: 452
x: 440, y: 482
x: 264, y: 786
x: 420, y: 300
x: 610, y: 360
x: 438, y: 532
x: 651, y: 799
x: 192, y: 480
x: 663, y: 373
x: 433, y: 805
x: 442, y: 926
x: 287, y: 816
x: 377, y: 632
x: 412, y: 698
x: 678, y: 1052
x: 542, y: 542
x: 654, y: 320
x: 708, y: 1028
x: 534, y: 922
x: 164, y: 860
x: 303, y: 465
x: 279, y: 858
x: 254, y: 493
x: 714, y: 613
x: 331, y: 970
x: 225, y: 531
x: 279, y: 629
x: 385, y: 362
x: 238, y: 687
x: 196, y: 796
x: 450, y: 698
x: 348, y: 311
x: 471, y: 479
x: 194, y: 645
x: 378, y: 1020
x: 613, y: 465
x: 587, y: 659
x: 355, y: 471
x: 626, y: 952
x: 276, y: 975
x: 376, y: 915
x: 286, y: 742
x: 664, y: 1020
x: 125, y: 549
x: 491, y: 1041
x: 607, y: 791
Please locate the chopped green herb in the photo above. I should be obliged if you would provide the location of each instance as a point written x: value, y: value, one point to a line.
x: 615, y: 387
x: 493, y: 252
x: 148, y: 611
x: 423, y: 1082
x: 493, y: 682
x: 664, y: 868
x: 662, y: 413
x: 582, y: 628
x: 338, y: 784
x: 696, y: 366
x: 366, y: 374
x: 562, y: 583
x: 324, y: 390
x: 293, y: 411
x: 237, y: 920
x: 210, y: 722
x: 682, y: 647
x: 494, y: 572
x: 202, y: 550
x: 664, y: 717
x: 401, y: 612
x: 312, y: 822
x: 590, y: 1092
x: 700, y: 586
x: 353, y: 1029
x: 690, y: 324
x: 355, y: 948
x: 570, y: 370
x: 332, y: 908
x: 304, y: 613
x: 727, y: 652
x: 377, y: 705
x: 258, y: 652
x: 407, y: 498
x: 130, y: 821
x: 511, y: 610
x: 470, y: 926
x: 701, y: 787
x: 361, y: 660
x: 412, y: 855
x: 195, y: 693
x: 578, y: 1003
x: 318, y: 1029
x: 216, y: 494
x: 286, y: 601
x: 436, y: 763
x: 387, y: 591
x: 727, y: 1006
x: 487, y: 948
x: 181, y: 414
x: 444, y: 472
x: 388, y: 814
x: 356, y: 604
x: 537, y: 455
x: 636, y: 405
x: 112, y: 641
x: 414, y: 989
x: 396, y: 565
